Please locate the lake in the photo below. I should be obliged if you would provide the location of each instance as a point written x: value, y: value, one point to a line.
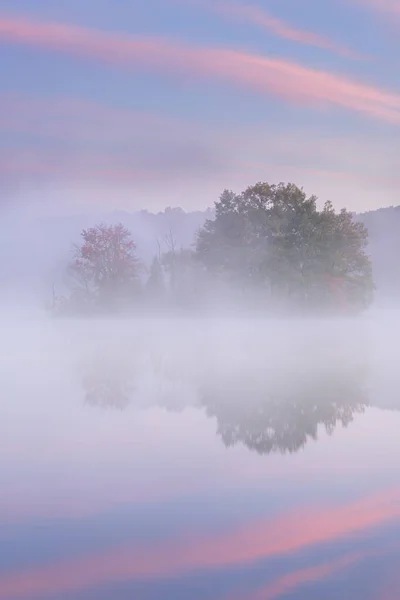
x: 222, y: 459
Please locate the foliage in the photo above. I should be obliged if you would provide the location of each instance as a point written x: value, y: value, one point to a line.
x: 184, y: 275
x: 274, y: 237
x: 270, y: 246
x: 105, y: 267
x: 155, y: 283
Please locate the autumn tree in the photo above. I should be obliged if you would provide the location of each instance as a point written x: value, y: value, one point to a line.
x: 105, y: 267
x: 273, y: 237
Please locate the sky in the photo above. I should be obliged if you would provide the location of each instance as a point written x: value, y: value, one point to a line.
x: 125, y: 104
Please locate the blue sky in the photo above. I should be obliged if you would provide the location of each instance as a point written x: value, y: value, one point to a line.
x: 126, y: 104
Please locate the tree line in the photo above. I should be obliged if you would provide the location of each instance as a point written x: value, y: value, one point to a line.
x: 268, y: 247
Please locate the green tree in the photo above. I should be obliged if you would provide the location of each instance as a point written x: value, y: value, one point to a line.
x: 155, y: 284
x: 184, y: 276
x: 274, y: 237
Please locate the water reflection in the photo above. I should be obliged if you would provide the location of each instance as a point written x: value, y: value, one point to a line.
x: 285, y: 415
x: 115, y: 485
x: 108, y: 381
x: 275, y: 408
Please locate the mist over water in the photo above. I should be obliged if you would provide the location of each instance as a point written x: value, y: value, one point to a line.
x: 215, y: 444
x: 209, y: 425
x: 199, y: 367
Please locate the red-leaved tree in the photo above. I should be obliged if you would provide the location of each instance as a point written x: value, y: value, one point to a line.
x: 105, y: 267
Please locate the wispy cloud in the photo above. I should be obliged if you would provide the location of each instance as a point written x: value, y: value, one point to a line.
x: 54, y: 165
x: 385, y: 6
x: 262, y: 18
x: 68, y: 142
x: 295, y: 579
x: 268, y: 76
x: 77, y: 118
x: 390, y: 589
x: 259, y: 540
x: 79, y: 140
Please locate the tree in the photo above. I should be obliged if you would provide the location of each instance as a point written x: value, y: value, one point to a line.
x: 274, y: 237
x: 105, y: 265
x: 184, y: 276
x: 169, y: 259
x: 344, y: 264
x: 155, y: 284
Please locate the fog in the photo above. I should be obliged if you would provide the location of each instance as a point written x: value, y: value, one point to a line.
x: 153, y: 434
x: 198, y: 367
x: 162, y: 398
x: 169, y: 357
x: 175, y: 362
x: 157, y: 356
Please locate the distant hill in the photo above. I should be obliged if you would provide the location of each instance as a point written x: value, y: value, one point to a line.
x: 384, y: 246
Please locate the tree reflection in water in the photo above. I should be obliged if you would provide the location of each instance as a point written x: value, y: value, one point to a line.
x: 283, y: 417
x: 108, y: 381
x: 116, y: 376
x: 267, y: 403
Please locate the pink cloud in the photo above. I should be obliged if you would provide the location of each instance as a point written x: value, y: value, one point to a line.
x: 76, y: 118
x: 259, y: 540
x: 262, y: 18
x: 53, y: 165
x: 268, y: 76
x: 79, y: 140
x: 109, y: 166
x: 390, y: 589
x: 295, y: 579
x: 385, y: 6
x: 349, y: 176
x: 105, y: 143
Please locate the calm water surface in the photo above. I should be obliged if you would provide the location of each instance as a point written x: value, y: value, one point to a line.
x: 178, y: 459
